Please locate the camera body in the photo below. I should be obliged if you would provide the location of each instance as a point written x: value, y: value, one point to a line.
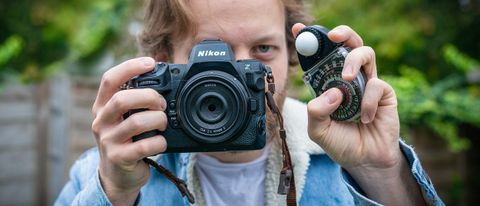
x: 322, y: 62
x: 214, y: 103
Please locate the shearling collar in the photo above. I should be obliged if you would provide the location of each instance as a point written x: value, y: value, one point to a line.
x: 296, y: 124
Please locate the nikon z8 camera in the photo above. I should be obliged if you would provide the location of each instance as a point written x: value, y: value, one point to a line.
x: 322, y: 61
x: 214, y: 103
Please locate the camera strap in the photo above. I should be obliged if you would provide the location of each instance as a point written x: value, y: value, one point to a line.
x: 287, y: 181
x: 181, y: 185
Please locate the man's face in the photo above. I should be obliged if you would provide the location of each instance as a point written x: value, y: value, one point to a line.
x: 255, y: 30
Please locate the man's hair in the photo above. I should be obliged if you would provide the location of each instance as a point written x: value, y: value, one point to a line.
x: 168, y: 19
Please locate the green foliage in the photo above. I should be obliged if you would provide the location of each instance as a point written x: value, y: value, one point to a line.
x: 10, y: 49
x: 38, y: 38
x: 443, y: 105
x: 459, y: 60
x: 426, y: 51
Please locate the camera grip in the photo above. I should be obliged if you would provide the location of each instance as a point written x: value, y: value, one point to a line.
x: 144, y: 135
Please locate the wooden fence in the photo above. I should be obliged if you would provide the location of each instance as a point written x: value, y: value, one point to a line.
x: 43, y: 129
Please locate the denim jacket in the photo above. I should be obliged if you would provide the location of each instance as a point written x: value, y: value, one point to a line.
x: 318, y: 179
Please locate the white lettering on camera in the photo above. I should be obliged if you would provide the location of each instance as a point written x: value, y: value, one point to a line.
x: 210, y: 85
x: 211, y: 53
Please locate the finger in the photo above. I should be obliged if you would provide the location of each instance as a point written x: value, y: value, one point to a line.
x: 126, y: 100
x: 136, y: 124
x: 346, y: 35
x: 146, y: 147
x: 296, y: 28
x: 135, y: 151
x: 377, y: 93
x: 360, y: 58
x: 320, y: 108
x: 117, y: 76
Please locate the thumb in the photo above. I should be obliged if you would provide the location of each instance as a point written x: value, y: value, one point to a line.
x: 296, y: 28
x: 320, y: 108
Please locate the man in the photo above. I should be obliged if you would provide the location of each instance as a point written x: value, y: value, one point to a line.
x: 343, y: 163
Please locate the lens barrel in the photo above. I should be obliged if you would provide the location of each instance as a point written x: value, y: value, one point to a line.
x: 213, y: 106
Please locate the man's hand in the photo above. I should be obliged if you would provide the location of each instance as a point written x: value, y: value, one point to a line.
x: 368, y: 150
x: 122, y: 173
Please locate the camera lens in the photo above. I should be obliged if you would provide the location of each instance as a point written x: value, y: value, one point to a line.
x: 213, y: 106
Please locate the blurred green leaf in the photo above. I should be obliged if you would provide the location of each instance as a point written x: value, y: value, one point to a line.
x: 459, y: 61
x: 10, y: 49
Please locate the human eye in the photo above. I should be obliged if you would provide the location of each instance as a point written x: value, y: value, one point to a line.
x: 264, y: 48
x: 264, y: 51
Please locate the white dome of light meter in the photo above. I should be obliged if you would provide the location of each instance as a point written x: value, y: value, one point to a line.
x: 306, y: 44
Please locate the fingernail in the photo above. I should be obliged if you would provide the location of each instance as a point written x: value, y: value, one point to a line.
x: 337, y: 30
x: 331, y: 97
x: 347, y: 71
x: 365, y: 118
x: 147, y: 62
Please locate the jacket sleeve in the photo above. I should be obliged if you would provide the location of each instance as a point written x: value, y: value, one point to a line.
x: 84, y: 186
x: 426, y: 186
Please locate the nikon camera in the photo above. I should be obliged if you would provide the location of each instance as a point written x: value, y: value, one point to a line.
x: 214, y: 103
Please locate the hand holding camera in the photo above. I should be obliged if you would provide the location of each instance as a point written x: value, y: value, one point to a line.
x: 120, y: 169
x: 213, y: 103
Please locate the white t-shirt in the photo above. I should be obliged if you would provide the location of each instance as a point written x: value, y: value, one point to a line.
x: 232, y: 183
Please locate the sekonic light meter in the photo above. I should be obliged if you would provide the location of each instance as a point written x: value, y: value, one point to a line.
x: 322, y: 61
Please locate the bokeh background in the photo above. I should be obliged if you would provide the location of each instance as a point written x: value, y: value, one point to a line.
x: 52, y: 54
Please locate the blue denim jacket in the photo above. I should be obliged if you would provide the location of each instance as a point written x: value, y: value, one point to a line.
x: 319, y: 180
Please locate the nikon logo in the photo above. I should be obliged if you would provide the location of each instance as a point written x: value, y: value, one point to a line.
x: 210, y: 53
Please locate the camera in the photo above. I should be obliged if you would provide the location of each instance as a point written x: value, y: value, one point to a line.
x: 322, y: 62
x: 214, y: 103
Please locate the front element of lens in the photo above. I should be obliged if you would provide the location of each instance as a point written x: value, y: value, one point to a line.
x: 213, y: 106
